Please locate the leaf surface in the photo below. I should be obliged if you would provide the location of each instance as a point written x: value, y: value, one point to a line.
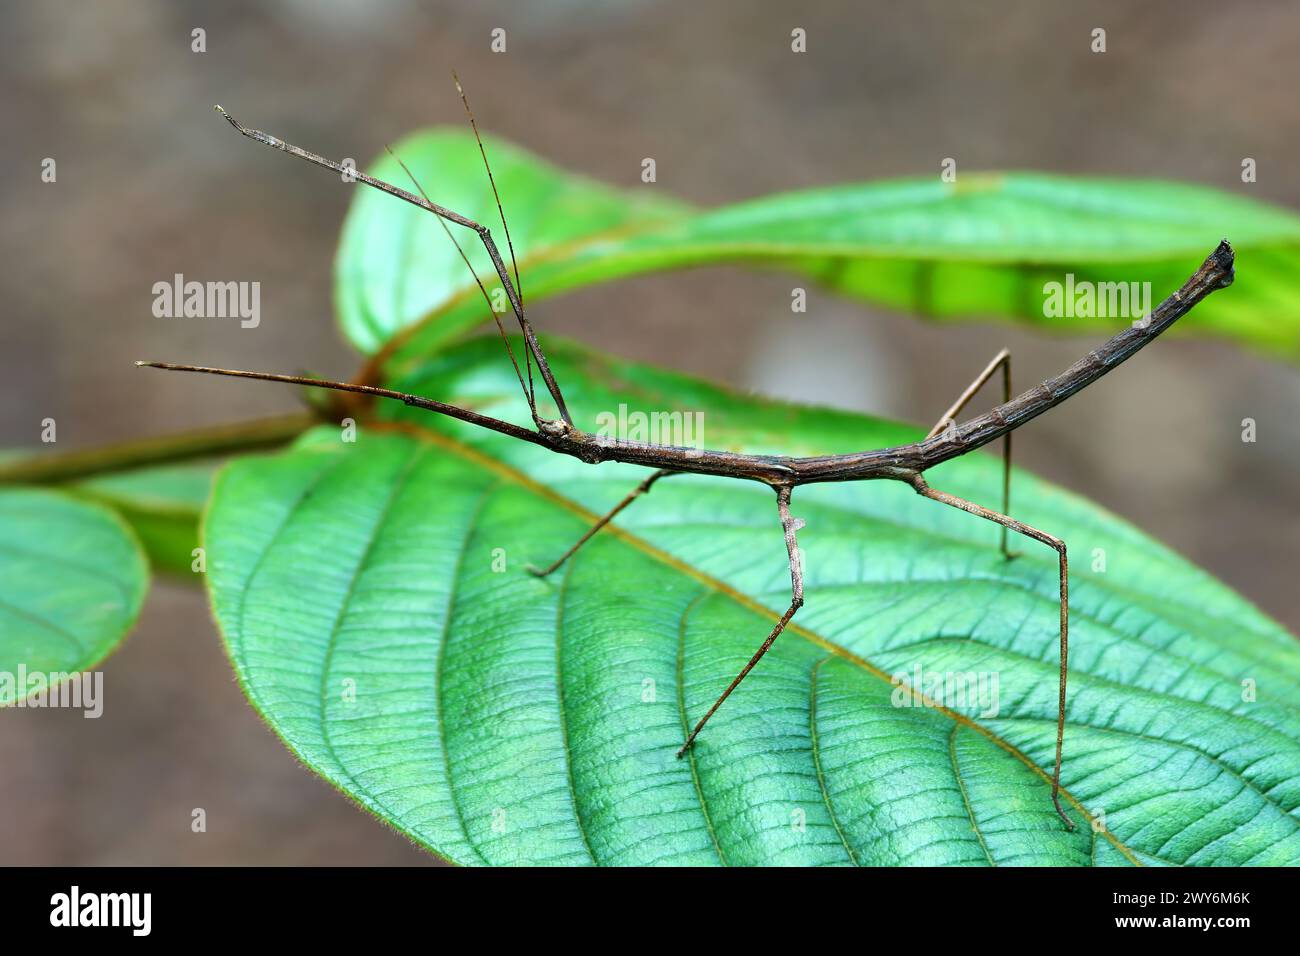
x: 162, y: 504
x: 72, y: 579
x: 376, y: 607
x: 986, y: 245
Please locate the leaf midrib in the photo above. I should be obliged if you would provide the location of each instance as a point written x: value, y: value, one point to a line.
x: 686, y: 723
x: 394, y: 492
x: 817, y: 761
x: 560, y: 602
x: 510, y: 474
x: 470, y: 527
x: 95, y: 574
x: 965, y: 794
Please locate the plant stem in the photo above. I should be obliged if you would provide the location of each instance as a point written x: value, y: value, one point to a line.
x: 166, y: 449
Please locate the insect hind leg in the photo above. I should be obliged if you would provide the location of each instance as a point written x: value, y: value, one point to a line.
x: 948, y: 420
x: 1058, y: 546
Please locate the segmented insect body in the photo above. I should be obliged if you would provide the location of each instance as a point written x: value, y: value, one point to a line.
x: 947, y: 440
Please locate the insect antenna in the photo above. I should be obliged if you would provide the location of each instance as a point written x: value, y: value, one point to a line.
x: 527, y: 387
x: 416, y: 401
x: 442, y: 212
x: 510, y: 246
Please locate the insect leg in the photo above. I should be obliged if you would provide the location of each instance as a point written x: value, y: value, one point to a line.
x: 1064, y: 569
x: 791, y: 526
x: 442, y: 212
x: 635, y: 493
x: 948, y: 420
x: 526, y: 386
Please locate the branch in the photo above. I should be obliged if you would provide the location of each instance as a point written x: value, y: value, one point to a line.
x: 167, y: 449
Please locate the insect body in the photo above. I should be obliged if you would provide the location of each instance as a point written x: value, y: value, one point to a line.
x: 908, y: 463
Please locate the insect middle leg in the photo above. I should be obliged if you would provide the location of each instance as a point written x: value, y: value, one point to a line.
x: 635, y: 493
x: 948, y: 420
x: 1058, y: 546
x: 791, y: 526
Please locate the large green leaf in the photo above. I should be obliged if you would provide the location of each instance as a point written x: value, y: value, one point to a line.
x: 376, y: 607
x: 394, y: 268
x: 983, y: 246
x: 72, y: 578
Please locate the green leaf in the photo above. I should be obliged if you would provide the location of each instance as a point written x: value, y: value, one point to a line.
x: 395, y: 265
x: 983, y: 246
x: 162, y: 504
x: 376, y: 606
x: 72, y: 578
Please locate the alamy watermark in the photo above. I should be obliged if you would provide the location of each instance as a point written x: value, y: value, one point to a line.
x: 624, y: 427
x: 74, y: 908
x: 956, y: 690
x: 208, y: 300
x: 1083, y: 299
x: 80, y: 691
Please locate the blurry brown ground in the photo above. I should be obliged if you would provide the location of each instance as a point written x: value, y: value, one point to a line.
x: 151, y: 184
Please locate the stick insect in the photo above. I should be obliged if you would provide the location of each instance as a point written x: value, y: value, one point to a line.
x: 948, y: 439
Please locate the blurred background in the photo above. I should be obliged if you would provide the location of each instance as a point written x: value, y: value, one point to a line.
x: 151, y: 183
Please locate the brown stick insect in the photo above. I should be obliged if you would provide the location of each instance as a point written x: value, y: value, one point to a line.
x: 907, y: 463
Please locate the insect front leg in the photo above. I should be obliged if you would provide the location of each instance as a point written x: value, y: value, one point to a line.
x: 949, y: 419
x: 791, y: 526
x: 1058, y: 546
